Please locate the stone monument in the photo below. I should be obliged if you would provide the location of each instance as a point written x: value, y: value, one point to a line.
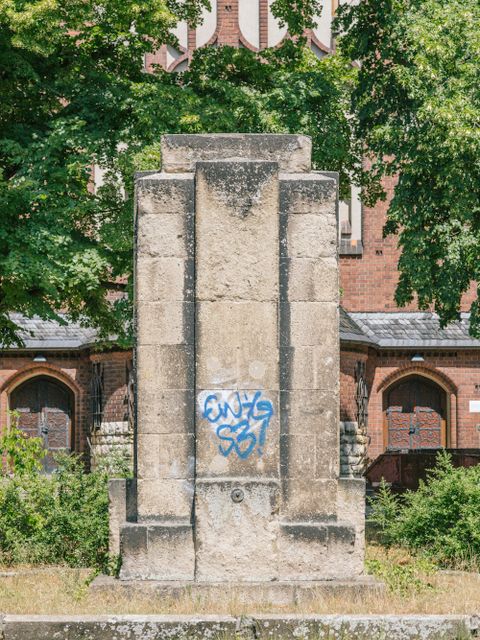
x: 237, y: 370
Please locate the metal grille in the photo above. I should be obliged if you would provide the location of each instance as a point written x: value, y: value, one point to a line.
x: 96, y: 395
x: 130, y: 395
x: 361, y: 396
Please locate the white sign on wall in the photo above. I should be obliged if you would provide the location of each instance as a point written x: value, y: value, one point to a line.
x: 474, y: 406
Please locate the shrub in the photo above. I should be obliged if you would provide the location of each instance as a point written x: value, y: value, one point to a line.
x: 60, y: 518
x: 20, y: 453
x: 441, y: 518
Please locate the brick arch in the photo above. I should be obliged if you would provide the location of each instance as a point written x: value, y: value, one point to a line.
x: 427, y: 372
x: 439, y: 378
x: 33, y: 370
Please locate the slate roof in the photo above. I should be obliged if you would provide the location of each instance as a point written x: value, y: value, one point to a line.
x: 350, y: 331
x: 414, y: 330
x: 46, y: 334
x: 384, y: 330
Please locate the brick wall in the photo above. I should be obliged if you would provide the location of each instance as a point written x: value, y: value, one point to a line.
x: 227, y: 32
x: 74, y: 370
x: 368, y: 281
x: 71, y: 369
x: 457, y: 372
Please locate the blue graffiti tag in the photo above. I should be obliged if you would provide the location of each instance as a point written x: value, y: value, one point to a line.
x: 241, y: 422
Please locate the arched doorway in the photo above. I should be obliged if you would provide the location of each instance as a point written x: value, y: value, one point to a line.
x: 415, y: 409
x: 45, y: 408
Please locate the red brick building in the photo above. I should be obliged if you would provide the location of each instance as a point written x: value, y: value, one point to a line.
x: 63, y: 389
x: 406, y: 384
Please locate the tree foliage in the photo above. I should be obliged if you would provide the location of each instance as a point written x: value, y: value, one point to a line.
x: 74, y: 94
x: 417, y: 108
x: 67, y: 68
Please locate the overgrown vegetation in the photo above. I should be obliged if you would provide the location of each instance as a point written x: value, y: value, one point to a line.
x: 60, y: 518
x: 402, y: 573
x: 441, y: 520
x: 413, y: 589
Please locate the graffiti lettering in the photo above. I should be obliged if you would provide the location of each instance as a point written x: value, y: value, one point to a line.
x: 241, y: 422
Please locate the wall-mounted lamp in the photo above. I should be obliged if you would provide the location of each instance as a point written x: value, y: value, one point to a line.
x: 39, y: 357
x: 418, y: 358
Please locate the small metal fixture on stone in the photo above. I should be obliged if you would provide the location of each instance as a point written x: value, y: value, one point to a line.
x: 237, y: 495
x: 237, y: 369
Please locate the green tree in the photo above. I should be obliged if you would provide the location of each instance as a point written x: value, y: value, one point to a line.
x: 75, y: 95
x: 417, y: 108
x: 67, y: 69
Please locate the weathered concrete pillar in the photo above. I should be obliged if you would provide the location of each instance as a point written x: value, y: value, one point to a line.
x: 238, y: 367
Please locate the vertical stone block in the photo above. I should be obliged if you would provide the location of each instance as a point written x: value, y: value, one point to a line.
x: 164, y: 279
x: 164, y: 499
x: 117, y: 512
x: 165, y: 410
x: 165, y: 323
x: 313, y: 193
x: 237, y: 231
x: 171, y: 552
x: 165, y: 345
x: 163, y: 193
x: 237, y: 433
x: 310, y: 279
x: 351, y: 501
x: 237, y: 345
x: 165, y: 367
x: 160, y: 551
x: 236, y: 527
x: 309, y: 353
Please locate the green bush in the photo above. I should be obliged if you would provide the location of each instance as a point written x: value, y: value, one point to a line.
x: 20, y: 453
x: 441, y: 518
x: 60, y: 518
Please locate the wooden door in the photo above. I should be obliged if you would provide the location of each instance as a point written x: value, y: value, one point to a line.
x: 415, y: 415
x: 45, y: 410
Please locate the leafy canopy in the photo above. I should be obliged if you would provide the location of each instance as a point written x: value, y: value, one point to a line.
x: 67, y: 68
x: 74, y: 94
x: 417, y: 108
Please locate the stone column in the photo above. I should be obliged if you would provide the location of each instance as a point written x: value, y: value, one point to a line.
x: 309, y: 360
x: 238, y: 368
x: 164, y: 294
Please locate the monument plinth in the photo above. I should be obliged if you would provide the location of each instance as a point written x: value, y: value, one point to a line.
x: 237, y: 365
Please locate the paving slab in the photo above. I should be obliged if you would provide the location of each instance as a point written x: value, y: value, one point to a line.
x: 268, y: 627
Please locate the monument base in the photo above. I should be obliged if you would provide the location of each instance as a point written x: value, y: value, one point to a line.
x: 258, y: 593
x: 302, y: 551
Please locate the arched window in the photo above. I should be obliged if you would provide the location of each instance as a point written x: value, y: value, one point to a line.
x: 45, y: 408
x: 415, y: 414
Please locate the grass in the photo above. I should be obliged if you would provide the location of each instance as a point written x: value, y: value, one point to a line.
x: 414, y: 586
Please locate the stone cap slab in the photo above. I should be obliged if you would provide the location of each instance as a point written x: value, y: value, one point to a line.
x: 180, y: 152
